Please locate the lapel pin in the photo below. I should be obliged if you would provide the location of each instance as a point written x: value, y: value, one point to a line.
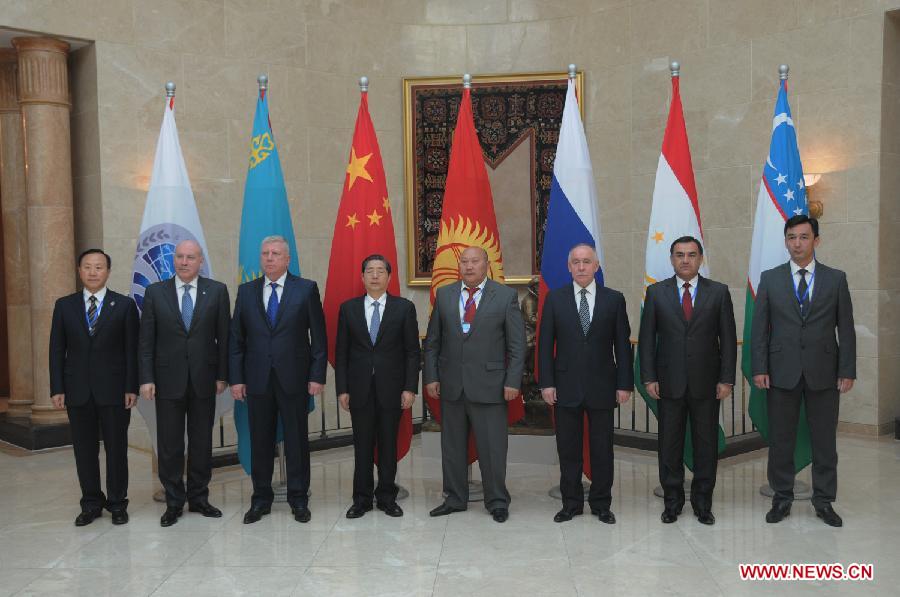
x: 112, y: 303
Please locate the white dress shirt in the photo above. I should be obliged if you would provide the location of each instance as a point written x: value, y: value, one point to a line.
x: 679, y: 283
x: 267, y: 290
x: 810, y: 276
x: 590, y: 296
x: 180, y: 290
x: 370, y: 309
x: 100, y: 294
x: 464, y: 297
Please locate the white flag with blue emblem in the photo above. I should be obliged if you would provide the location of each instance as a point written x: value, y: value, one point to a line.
x: 170, y: 216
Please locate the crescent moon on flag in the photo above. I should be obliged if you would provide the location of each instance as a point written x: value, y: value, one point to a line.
x: 769, y: 162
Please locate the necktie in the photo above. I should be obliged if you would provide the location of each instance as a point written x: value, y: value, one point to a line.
x: 802, y: 288
x: 469, y: 313
x: 92, y: 314
x: 375, y: 323
x: 272, y: 307
x: 686, y: 302
x: 187, y: 306
x: 584, y: 314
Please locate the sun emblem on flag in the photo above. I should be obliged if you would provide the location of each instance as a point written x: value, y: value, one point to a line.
x: 456, y: 237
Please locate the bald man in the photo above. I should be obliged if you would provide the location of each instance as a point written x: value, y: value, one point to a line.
x: 183, y: 366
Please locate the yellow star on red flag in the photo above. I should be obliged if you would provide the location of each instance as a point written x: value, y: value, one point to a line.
x: 386, y: 204
x: 352, y: 221
x: 357, y: 167
x: 374, y: 218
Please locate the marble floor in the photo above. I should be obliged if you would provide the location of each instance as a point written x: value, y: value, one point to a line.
x: 43, y: 553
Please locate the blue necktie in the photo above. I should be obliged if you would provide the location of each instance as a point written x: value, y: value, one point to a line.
x: 187, y: 307
x: 272, y: 307
x: 92, y: 315
x: 375, y: 323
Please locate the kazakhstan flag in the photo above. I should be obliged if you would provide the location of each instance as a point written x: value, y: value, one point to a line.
x: 266, y: 212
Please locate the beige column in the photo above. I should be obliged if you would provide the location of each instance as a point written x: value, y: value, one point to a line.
x: 44, y: 100
x: 15, y: 239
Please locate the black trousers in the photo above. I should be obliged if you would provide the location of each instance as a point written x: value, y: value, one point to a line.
x: 673, y: 415
x: 374, y: 427
x: 488, y: 423
x: 570, y: 445
x: 87, y: 423
x: 822, y: 417
x: 263, y: 411
x: 171, y: 414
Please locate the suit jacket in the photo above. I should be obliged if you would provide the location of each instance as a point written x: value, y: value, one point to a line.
x: 483, y: 361
x: 170, y: 354
x: 393, y: 360
x: 586, y: 369
x: 785, y: 345
x: 102, y: 366
x: 295, y: 348
x: 683, y: 355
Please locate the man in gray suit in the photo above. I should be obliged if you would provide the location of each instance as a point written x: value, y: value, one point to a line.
x: 474, y: 357
x: 798, y: 358
x: 688, y: 349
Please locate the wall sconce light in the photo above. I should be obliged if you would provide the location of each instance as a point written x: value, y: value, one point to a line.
x: 816, y: 208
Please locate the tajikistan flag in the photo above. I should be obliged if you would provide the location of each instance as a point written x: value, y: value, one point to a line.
x: 170, y: 216
x: 675, y: 213
x: 782, y: 195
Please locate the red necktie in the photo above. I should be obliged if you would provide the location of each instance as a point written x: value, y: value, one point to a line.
x: 686, y: 303
x: 469, y: 313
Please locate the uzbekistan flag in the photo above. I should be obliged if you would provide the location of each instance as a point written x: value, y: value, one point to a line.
x: 782, y: 195
x: 572, y: 215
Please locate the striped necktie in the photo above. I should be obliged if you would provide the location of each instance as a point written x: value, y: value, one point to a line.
x: 92, y: 314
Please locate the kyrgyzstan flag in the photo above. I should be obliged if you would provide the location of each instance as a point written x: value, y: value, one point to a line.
x: 467, y: 220
x: 363, y: 227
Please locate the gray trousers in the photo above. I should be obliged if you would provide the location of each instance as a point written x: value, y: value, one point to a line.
x: 488, y: 423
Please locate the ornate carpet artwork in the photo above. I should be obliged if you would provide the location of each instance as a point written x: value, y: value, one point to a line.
x: 518, y: 119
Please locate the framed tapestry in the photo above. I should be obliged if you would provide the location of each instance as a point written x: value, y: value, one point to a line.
x: 518, y: 118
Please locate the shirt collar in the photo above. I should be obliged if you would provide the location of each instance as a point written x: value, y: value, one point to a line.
x: 693, y: 282
x: 100, y: 294
x: 179, y: 284
x: 382, y: 300
x: 591, y: 288
x: 480, y: 286
x: 279, y: 281
x: 811, y: 268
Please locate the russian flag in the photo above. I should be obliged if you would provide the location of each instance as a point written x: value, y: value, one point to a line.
x: 572, y: 216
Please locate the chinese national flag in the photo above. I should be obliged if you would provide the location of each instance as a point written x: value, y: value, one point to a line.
x: 467, y: 220
x: 363, y: 227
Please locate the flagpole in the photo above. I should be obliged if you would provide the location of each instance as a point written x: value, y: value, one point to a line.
x: 802, y: 489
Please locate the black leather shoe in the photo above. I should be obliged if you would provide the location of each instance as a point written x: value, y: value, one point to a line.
x: 705, y: 517
x: 206, y: 509
x: 500, y: 514
x: 302, y: 514
x: 358, y: 510
x: 444, y: 510
x: 669, y: 516
x: 170, y: 516
x: 606, y: 516
x: 393, y: 509
x: 255, y: 514
x: 778, y: 513
x: 119, y: 517
x: 87, y: 517
x: 830, y: 517
x: 566, y: 514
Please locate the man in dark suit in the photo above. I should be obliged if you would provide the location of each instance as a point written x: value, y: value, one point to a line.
x: 799, y: 359
x: 93, y: 374
x: 184, y: 363
x: 474, y: 358
x: 376, y: 375
x: 590, y: 373
x: 278, y: 355
x: 688, y: 349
